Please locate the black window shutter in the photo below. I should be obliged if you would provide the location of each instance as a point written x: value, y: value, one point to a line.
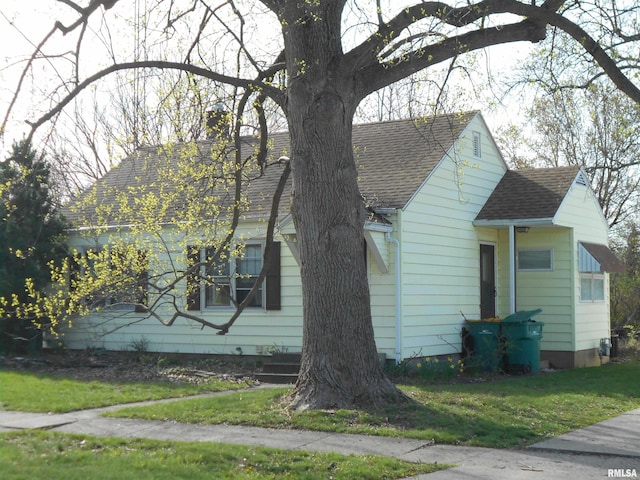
x: 193, y: 279
x: 143, y: 281
x: 273, y: 278
x: 74, y: 271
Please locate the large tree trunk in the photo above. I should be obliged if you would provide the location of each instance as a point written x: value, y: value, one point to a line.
x: 340, y: 366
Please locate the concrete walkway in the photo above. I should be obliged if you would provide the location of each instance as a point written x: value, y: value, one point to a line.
x: 606, y: 449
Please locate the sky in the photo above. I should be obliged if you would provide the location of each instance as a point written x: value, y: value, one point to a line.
x: 20, y: 24
x: 23, y: 22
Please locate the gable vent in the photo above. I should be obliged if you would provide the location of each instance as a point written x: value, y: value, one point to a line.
x: 477, y: 148
x: 581, y: 180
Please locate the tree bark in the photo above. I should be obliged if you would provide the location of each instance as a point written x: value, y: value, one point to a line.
x: 340, y: 366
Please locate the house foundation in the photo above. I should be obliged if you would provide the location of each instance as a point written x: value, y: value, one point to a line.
x: 579, y: 359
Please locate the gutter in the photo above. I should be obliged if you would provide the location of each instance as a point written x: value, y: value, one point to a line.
x: 398, y: 309
x: 512, y: 269
x: 507, y: 222
x: 377, y: 227
x: 127, y: 226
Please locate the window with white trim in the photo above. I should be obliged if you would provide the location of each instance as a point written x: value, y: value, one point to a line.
x: 223, y: 281
x: 217, y: 284
x: 591, y: 287
x: 591, y: 276
x: 231, y: 279
x: 540, y: 260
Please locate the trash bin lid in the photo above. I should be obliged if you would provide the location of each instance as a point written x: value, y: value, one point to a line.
x: 521, y: 316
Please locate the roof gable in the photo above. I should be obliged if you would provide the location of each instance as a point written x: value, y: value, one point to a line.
x: 529, y: 194
x: 395, y: 158
x: 476, y: 124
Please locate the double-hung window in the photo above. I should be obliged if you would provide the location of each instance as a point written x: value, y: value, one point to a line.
x: 591, y: 287
x: 248, y: 269
x: 229, y: 280
x: 591, y: 276
x: 223, y: 281
x: 217, y: 279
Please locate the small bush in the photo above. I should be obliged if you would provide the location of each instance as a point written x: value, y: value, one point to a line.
x: 427, y: 369
x: 435, y: 369
x: 140, y: 345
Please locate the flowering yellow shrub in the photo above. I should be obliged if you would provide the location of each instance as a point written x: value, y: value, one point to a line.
x: 431, y: 369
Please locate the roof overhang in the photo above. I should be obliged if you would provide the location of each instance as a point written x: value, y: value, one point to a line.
x: 603, y: 258
x: 129, y: 226
x: 371, y: 225
x: 520, y: 222
x: 291, y: 240
x: 378, y: 227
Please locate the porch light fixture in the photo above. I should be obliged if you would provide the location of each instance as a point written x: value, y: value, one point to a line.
x: 522, y: 229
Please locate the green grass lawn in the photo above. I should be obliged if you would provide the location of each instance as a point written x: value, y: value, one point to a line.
x: 512, y: 412
x: 30, y: 392
x: 51, y: 455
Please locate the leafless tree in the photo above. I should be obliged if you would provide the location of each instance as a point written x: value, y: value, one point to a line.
x: 596, y: 128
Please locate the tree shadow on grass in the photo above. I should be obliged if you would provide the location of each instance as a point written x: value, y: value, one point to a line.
x: 511, y: 412
x: 444, y: 424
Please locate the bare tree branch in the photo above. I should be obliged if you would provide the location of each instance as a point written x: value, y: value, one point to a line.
x: 239, y: 82
x: 376, y: 76
x: 85, y: 13
x: 598, y: 53
x: 267, y: 250
x: 23, y: 75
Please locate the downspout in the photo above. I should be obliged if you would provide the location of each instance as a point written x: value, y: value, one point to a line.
x: 398, y: 309
x: 512, y: 269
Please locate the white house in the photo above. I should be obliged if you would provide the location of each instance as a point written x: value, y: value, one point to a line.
x: 453, y: 233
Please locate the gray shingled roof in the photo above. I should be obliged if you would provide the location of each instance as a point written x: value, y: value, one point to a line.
x: 394, y: 158
x: 528, y: 194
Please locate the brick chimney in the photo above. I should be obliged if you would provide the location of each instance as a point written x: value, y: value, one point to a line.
x: 217, y: 122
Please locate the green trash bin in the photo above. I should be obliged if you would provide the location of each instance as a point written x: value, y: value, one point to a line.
x: 487, y: 349
x: 522, y: 337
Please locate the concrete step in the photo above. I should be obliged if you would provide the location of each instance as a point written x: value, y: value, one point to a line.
x: 293, y: 357
x: 277, y: 378
x: 281, y: 368
x: 293, y: 368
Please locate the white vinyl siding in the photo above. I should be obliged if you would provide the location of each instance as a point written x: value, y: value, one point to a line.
x: 581, y: 211
x: 254, y: 332
x: 382, y: 292
x: 256, y: 329
x: 548, y: 289
x: 440, y: 247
